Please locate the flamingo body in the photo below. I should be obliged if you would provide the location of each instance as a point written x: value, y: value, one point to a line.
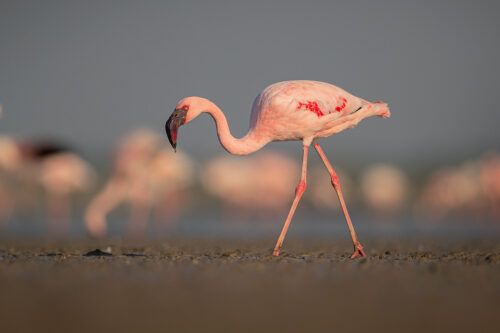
x: 289, y: 110
x: 301, y: 110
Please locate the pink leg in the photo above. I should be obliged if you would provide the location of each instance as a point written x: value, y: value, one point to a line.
x: 59, y: 212
x: 140, y: 207
x: 139, y: 217
x: 358, y: 249
x: 6, y: 206
x: 95, y: 215
x: 298, y: 193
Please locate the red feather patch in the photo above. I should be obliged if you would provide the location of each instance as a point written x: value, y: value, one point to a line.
x: 311, y: 106
x: 340, y: 108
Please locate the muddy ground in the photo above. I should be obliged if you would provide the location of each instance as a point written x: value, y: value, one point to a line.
x: 201, y: 285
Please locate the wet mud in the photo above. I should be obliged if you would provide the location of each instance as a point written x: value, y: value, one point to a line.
x: 202, y: 285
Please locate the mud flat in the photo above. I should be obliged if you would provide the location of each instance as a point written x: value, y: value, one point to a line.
x: 220, y: 285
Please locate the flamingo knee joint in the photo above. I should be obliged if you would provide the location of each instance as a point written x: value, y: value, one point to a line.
x: 335, y: 181
x: 301, y: 187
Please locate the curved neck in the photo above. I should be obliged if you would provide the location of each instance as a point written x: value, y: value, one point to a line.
x: 246, y: 145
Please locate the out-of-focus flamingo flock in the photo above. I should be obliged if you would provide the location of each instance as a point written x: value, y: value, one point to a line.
x: 46, y: 178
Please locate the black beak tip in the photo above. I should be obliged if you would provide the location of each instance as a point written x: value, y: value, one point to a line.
x: 177, y: 119
x: 168, y: 131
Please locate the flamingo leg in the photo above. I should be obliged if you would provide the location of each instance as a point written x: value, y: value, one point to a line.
x: 6, y: 206
x: 59, y: 212
x: 95, y: 215
x: 139, y: 217
x: 298, y: 194
x: 358, y: 249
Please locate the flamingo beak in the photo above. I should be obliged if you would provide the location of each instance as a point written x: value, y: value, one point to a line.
x: 177, y: 119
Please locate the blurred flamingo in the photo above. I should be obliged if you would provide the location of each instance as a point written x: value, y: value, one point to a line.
x: 146, y: 176
x: 471, y: 188
x: 259, y: 183
x: 50, y: 165
x: 489, y: 173
x: 9, y: 162
x: 291, y: 110
x: 450, y: 191
x: 321, y: 191
x: 385, y: 189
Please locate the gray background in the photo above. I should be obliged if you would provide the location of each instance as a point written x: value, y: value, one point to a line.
x: 89, y: 71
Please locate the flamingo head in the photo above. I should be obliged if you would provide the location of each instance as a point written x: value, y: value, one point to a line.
x: 186, y: 110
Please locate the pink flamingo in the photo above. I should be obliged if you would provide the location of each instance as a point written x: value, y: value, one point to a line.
x: 291, y: 110
x: 49, y: 165
x: 385, y: 189
x: 259, y: 183
x: 489, y: 174
x: 321, y: 191
x: 145, y: 175
x: 471, y: 188
x: 450, y: 191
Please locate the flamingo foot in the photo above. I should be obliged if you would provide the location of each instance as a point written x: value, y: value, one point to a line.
x: 276, y: 252
x: 358, y: 251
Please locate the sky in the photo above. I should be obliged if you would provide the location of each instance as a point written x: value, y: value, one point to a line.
x: 88, y: 72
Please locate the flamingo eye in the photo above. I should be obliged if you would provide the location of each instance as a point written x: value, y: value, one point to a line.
x: 185, y: 108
